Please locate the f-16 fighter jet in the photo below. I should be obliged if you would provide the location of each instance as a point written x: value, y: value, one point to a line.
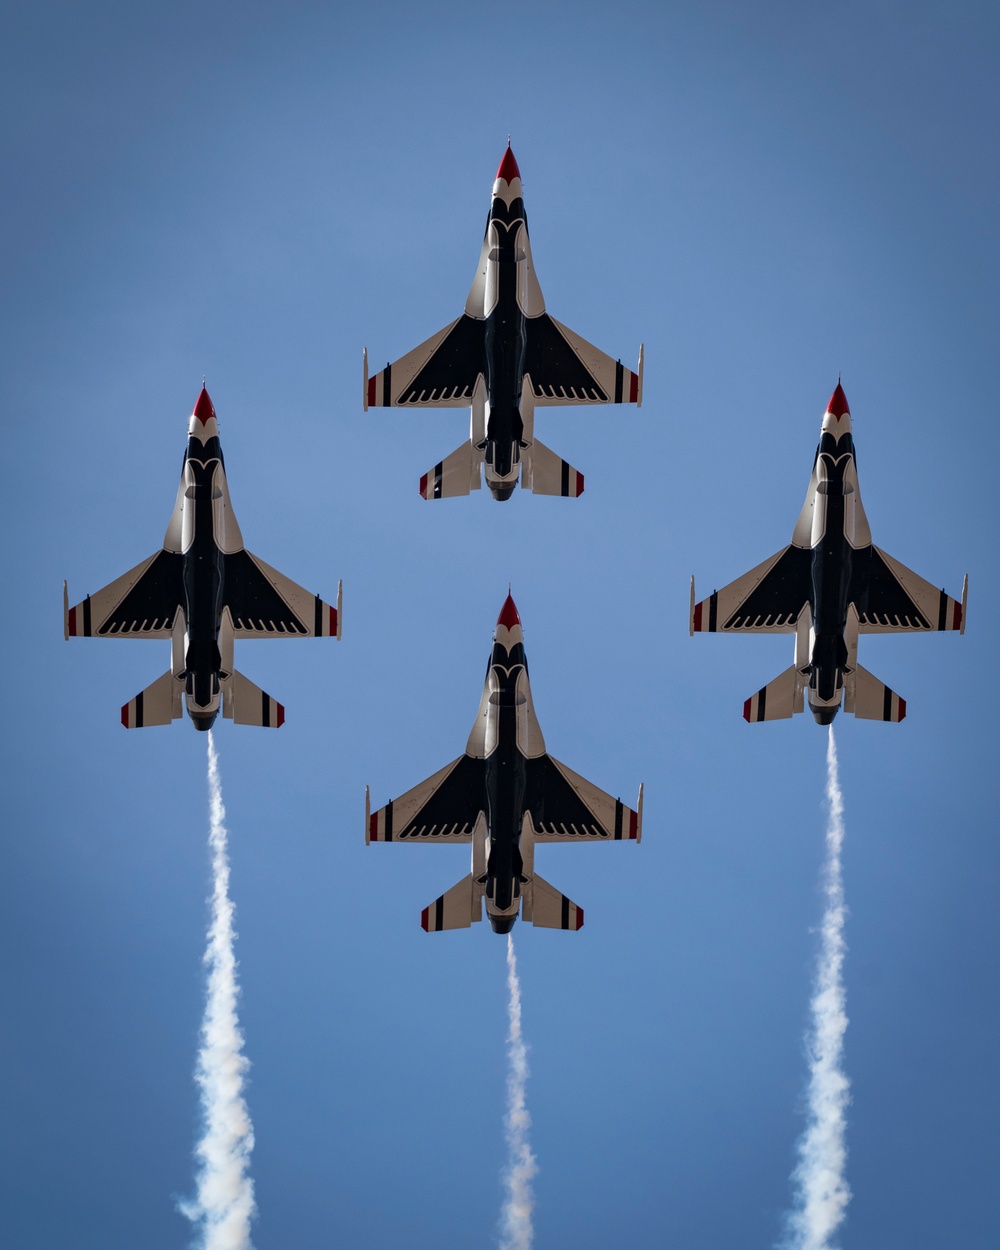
x: 504, y: 795
x: 202, y: 591
x: 830, y: 585
x: 505, y: 355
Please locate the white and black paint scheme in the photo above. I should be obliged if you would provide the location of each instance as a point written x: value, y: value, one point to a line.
x: 504, y: 795
x: 827, y: 587
x: 202, y: 591
x: 504, y: 357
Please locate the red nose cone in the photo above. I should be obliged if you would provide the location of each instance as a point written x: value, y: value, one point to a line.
x: 508, y: 167
x: 203, y: 409
x: 838, y: 405
x: 508, y: 617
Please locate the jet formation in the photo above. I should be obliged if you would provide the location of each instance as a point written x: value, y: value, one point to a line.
x: 504, y: 356
x: 203, y: 590
x: 504, y: 795
x: 828, y: 586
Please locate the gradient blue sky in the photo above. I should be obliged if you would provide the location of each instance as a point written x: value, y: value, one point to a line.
x: 767, y: 195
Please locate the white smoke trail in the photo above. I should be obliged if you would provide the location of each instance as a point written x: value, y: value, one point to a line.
x: 822, y: 1190
x: 224, y: 1205
x: 521, y: 1166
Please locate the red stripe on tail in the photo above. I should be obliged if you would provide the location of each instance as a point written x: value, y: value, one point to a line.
x: 633, y: 388
x: 423, y: 919
x: 746, y: 709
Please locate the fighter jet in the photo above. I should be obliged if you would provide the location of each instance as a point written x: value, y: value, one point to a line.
x: 827, y: 587
x: 504, y: 356
x: 202, y: 591
x: 504, y: 795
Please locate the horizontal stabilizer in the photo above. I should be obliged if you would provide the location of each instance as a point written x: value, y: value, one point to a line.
x: 457, y: 474
x: 545, y: 907
x: 158, y: 704
x: 456, y: 909
x: 246, y: 704
x: 779, y: 699
x: 545, y: 473
x: 870, y: 699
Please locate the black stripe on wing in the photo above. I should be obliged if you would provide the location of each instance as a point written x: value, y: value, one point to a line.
x: 778, y: 597
x: 451, y: 372
x: 453, y: 808
x: 253, y: 602
x: 878, y: 596
x: 556, y: 808
x: 152, y: 601
x: 557, y: 372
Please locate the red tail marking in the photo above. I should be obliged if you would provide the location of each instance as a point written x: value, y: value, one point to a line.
x: 423, y: 487
x: 423, y: 919
x: 957, y: 625
x: 72, y: 622
x: 697, y: 617
x: 371, y: 393
x: 633, y: 389
x: 125, y: 715
x: 333, y: 622
x: 373, y: 827
x: 746, y: 709
x: 902, y: 708
x: 280, y: 718
x: 579, y: 485
x: 633, y: 824
x: 579, y: 917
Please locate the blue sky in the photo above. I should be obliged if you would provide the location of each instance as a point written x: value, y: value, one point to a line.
x: 767, y: 196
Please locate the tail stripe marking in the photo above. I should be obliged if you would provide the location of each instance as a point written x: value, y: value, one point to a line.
x: 619, y: 379
x: 943, y: 612
x: 618, y: 820
x: 713, y: 611
x: 439, y: 915
x: 387, y: 823
x: 887, y: 704
x: 565, y: 912
x: 86, y: 617
x: 564, y: 485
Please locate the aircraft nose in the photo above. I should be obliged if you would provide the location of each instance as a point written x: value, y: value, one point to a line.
x: 508, y: 169
x: 203, y: 421
x: 508, y: 617
x: 837, y: 418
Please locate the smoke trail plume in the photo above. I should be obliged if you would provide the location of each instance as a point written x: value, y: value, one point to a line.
x: 224, y: 1205
x: 521, y: 1167
x: 822, y: 1190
